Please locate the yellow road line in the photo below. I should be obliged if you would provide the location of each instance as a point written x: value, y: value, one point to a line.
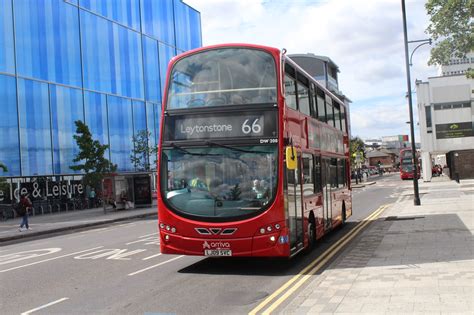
x: 320, y: 261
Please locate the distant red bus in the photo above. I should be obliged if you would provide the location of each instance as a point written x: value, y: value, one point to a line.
x: 253, y: 155
x: 406, y: 165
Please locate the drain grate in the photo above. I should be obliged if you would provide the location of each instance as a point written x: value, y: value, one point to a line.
x: 393, y: 218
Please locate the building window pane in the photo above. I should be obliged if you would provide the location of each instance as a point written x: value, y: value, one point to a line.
x: 151, y: 127
x: 152, y: 69
x: 111, y: 57
x: 156, y: 14
x: 66, y: 108
x: 126, y: 12
x: 7, y: 61
x: 188, y: 26
x: 428, y: 116
x: 47, y: 41
x: 120, y: 132
x: 9, y: 144
x: 35, y: 128
x: 166, y: 53
x: 95, y: 107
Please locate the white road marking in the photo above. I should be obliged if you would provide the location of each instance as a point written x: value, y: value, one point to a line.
x: 28, y: 254
x: 127, y: 224
x: 154, y: 266
x: 41, y: 261
x: 148, y: 235
x: 94, y: 230
x: 45, y: 306
x: 150, y: 240
x: 150, y: 257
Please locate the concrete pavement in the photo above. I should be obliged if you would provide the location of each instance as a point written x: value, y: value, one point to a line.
x: 66, y: 221
x: 412, y: 259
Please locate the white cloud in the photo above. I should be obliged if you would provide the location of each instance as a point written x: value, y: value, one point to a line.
x: 364, y: 37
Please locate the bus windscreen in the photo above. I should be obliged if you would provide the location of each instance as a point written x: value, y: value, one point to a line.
x: 219, y: 183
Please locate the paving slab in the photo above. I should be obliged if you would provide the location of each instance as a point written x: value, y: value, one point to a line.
x: 412, y: 259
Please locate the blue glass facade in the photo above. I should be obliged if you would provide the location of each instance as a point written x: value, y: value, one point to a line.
x: 100, y: 61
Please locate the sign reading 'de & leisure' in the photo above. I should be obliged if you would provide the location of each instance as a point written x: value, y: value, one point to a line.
x: 454, y: 130
x: 221, y: 125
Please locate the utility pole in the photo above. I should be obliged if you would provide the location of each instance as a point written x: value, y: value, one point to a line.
x: 416, y: 199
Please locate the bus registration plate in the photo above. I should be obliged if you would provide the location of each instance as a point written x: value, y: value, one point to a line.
x: 218, y: 252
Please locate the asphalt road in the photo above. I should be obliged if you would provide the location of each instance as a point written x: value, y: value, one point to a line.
x: 117, y: 269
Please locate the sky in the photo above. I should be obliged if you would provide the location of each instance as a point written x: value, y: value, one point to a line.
x: 363, y: 37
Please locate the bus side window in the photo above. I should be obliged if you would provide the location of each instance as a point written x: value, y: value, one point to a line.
x: 290, y: 92
x: 317, y: 174
x: 329, y: 111
x: 308, y: 175
x: 333, y: 173
x: 321, y: 105
x: 343, y: 119
x: 314, y: 101
x: 303, y: 94
x: 337, y: 118
x: 340, y: 173
x: 290, y: 87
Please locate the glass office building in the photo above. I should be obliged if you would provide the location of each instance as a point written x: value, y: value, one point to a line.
x: 100, y: 61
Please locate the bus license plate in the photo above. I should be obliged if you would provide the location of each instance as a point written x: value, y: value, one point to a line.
x: 218, y: 252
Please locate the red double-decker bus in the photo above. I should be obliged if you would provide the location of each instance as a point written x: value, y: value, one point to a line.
x: 406, y: 165
x: 253, y: 155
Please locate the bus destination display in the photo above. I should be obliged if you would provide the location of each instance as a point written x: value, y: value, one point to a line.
x: 222, y: 125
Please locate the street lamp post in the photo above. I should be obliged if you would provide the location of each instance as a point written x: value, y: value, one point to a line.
x: 416, y: 199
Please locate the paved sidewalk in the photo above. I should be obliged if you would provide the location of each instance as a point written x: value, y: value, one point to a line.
x: 410, y: 260
x: 59, y: 222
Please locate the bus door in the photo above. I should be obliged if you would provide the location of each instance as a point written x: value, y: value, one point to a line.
x: 327, y: 200
x: 293, y: 190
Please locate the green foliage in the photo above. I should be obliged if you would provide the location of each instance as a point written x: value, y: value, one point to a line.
x: 451, y: 27
x: 357, y: 145
x: 3, y: 167
x: 142, y: 152
x: 91, y: 157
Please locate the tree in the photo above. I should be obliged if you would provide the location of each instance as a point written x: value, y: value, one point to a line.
x: 3, y: 167
x: 91, y: 157
x: 142, y: 152
x: 451, y: 26
x: 356, y: 146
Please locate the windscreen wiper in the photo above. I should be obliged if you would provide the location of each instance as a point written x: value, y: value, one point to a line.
x: 234, y: 148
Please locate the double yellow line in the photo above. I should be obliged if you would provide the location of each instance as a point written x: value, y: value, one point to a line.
x: 294, y: 283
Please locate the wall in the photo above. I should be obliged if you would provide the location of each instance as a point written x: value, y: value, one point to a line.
x: 103, y: 62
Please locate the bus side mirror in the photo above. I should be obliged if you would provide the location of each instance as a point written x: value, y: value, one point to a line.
x: 290, y: 158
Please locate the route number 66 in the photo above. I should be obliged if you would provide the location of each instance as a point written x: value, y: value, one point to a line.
x: 255, y: 127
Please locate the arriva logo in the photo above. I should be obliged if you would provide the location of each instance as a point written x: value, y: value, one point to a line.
x: 215, y: 245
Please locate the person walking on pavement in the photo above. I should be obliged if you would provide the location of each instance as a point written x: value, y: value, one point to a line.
x: 23, y: 208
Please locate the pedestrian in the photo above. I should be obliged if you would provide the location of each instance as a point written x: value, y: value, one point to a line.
x: 23, y: 208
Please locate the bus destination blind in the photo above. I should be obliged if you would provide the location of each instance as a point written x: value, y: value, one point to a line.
x: 222, y: 125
